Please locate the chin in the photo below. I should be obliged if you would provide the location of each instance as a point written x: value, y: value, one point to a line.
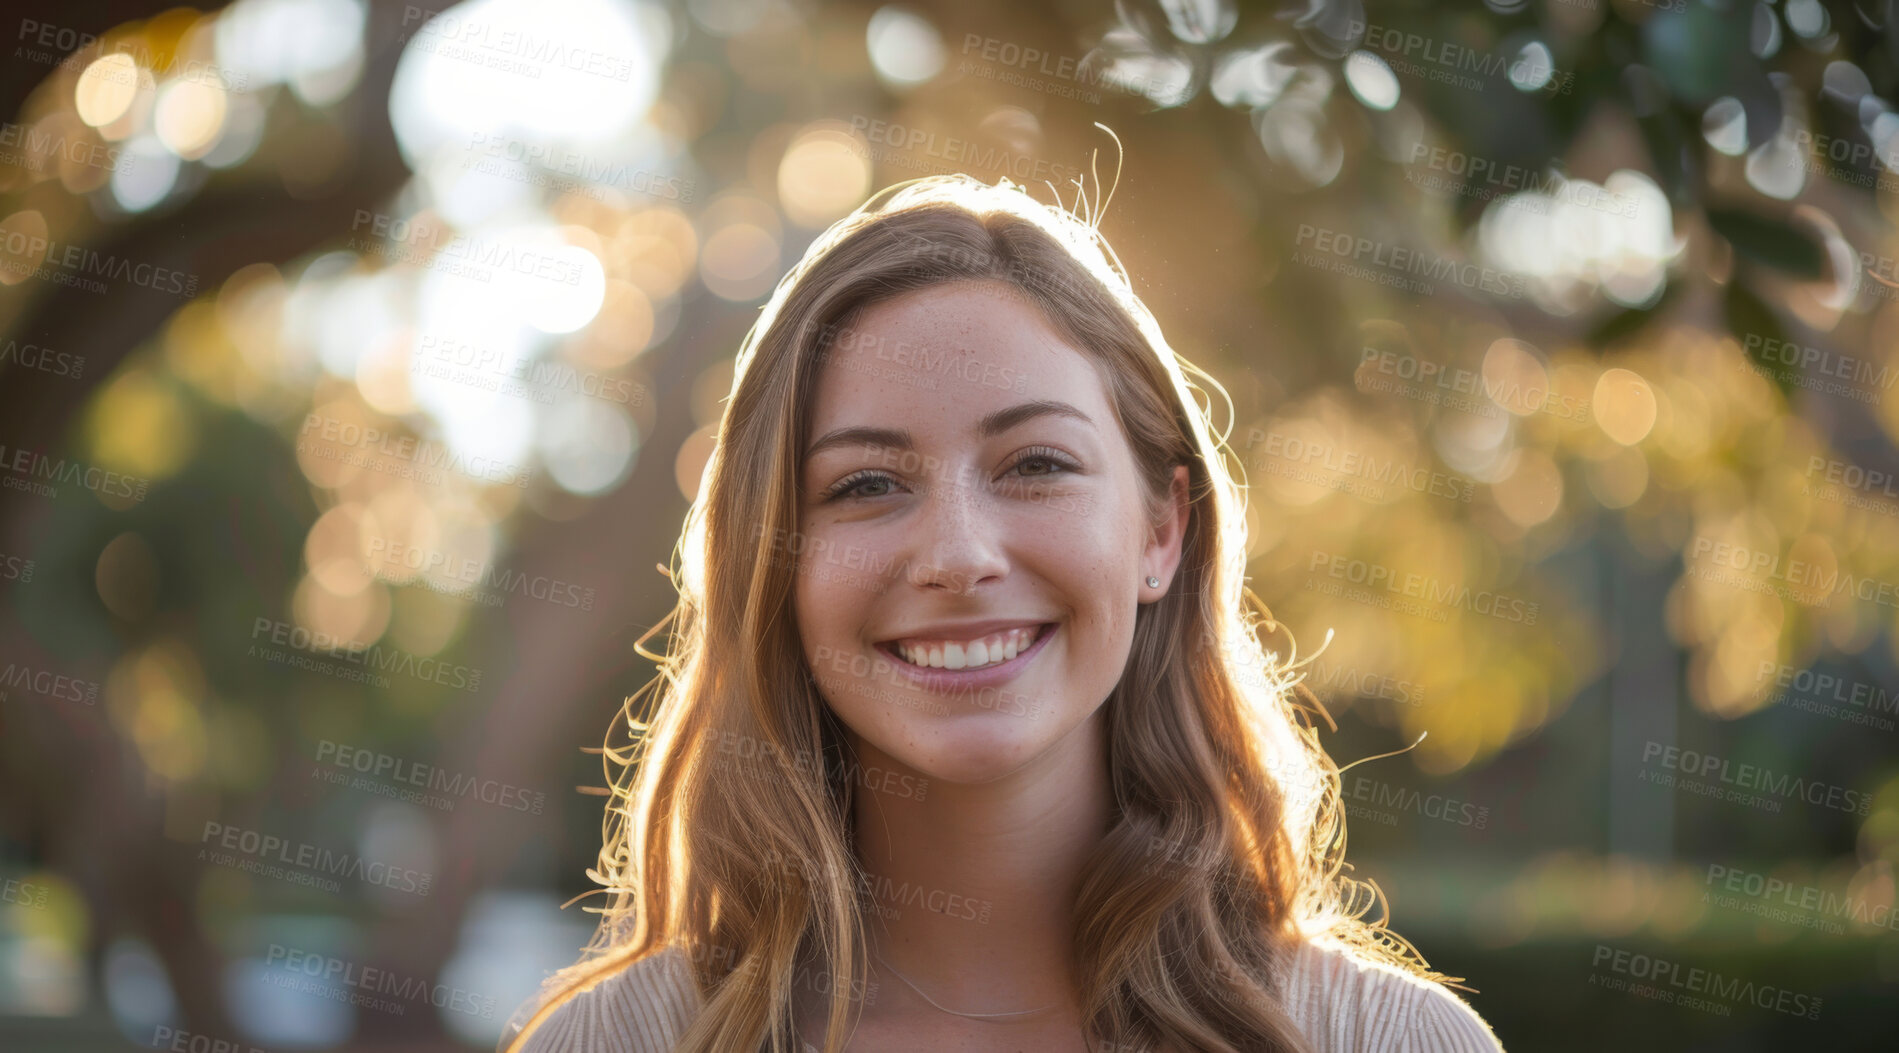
x: 971, y: 749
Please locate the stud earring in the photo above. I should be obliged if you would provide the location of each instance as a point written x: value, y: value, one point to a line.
x: 1153, y: 582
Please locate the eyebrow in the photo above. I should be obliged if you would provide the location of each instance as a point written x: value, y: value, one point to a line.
x: 990, y: 425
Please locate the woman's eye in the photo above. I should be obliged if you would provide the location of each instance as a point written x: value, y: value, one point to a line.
x: 855, y: 486
x: 1042, y: 463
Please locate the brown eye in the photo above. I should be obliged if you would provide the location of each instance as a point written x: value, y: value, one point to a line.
x: 853, y: 486
x: 1041, y: 462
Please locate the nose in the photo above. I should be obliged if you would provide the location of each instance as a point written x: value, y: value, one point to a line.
x: 960, y: 538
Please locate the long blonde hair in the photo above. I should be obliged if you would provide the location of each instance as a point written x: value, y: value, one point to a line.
x: 1213, y: 753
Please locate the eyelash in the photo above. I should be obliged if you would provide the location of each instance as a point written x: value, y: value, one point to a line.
x: 845, y: 487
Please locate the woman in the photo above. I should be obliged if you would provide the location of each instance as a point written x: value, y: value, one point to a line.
x: 965, y: 740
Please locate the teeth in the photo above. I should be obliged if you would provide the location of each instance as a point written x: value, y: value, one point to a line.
x: 967, y: 654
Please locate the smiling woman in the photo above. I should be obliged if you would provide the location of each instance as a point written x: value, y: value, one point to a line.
x: 961, y: 741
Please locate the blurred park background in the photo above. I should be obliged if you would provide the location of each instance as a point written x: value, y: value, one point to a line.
x: 358, y: 363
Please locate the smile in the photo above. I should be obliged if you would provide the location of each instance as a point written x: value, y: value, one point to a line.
x: 958, y: 665
x: 979, y: 653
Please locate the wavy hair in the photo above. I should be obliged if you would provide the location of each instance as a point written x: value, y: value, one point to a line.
x: 1228, y: 837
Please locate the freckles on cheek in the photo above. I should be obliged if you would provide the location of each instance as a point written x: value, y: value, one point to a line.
x: 1091, y: 558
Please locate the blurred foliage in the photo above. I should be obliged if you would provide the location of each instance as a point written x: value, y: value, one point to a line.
x: 1657, y: 200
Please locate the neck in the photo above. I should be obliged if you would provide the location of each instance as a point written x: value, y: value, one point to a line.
x: 971, y: 889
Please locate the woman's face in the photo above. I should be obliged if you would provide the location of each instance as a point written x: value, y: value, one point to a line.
x: 974, y: 540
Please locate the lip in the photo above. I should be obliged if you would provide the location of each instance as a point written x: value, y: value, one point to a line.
x: 954, y: 681
x: 966, y: 630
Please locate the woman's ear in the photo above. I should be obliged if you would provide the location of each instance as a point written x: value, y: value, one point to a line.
x: 1164, y: 539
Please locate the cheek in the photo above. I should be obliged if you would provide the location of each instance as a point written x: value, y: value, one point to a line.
x: 825, y: 639
x: 815, y: 608
x: 1093, y: 565
x: 831, y: 593
x: 1094, y: 569
x: 810, y: 607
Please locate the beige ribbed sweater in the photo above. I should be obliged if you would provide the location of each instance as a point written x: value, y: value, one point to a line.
x: 1341, y: 1003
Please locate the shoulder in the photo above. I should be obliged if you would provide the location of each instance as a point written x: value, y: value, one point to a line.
x: 642, y: 1008
x: 1346, y: 1003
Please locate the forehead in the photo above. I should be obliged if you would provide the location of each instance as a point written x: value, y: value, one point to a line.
x: 951, y: 350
